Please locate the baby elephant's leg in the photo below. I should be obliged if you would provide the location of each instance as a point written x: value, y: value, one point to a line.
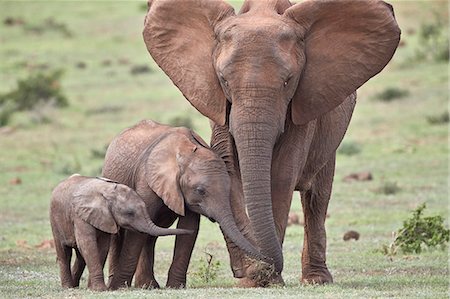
x: 64, y: 254
x: 78, y: 268
x: 86, y: 236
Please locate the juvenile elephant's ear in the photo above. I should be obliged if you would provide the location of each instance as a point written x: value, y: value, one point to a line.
x: 162, y: 170
x: 180, y: 37
x: 346, y: 43
x: 90, y: 205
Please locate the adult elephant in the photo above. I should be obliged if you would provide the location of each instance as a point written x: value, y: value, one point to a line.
x: 279, y: 83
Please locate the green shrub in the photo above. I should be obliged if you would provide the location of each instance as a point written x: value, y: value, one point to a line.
x: 388, y: 188
x: 207, y: 271
x: 349, y: 148
x: 420, y: 232
x: 433, y: 40
x: 439, y: 119
x: 35, y: 93
x: 390, y: 94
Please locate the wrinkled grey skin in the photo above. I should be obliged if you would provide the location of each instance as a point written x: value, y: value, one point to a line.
x: 84, y: 212
x: 178, y: 176
x: 279, y: 82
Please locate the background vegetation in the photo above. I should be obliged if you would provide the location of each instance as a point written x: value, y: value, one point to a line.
x: 398, y: 135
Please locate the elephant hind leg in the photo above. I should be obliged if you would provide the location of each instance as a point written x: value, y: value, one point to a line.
x: 315, y: 204
x: 78, y: 268
x: 64, y: 255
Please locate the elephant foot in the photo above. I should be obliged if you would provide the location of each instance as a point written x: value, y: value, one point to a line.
x: 317, y: 276
x: 98, y: 287
x: 147, y: 284
x: 261, y: 274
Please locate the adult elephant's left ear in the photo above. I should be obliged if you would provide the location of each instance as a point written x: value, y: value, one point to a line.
x: 180, y: 37
x: 346, y: 42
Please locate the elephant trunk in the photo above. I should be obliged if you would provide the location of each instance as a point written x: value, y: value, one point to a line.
x: 230, y: 229
x: 149, y: 227
x: 255, y: 140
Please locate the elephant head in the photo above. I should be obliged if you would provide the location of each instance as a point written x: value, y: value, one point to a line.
x: 185, y: 172
x: 272, y: 62
x: 106, y: 205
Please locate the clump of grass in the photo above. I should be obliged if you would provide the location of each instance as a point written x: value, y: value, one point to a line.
x: 207, y: 271
x: 182, y: 121
x: 49, y: 25
x: 390, y: 94
x: 438, y: 119
x: 389, y: 188
x: 36, y: 92
x: 349, y: 148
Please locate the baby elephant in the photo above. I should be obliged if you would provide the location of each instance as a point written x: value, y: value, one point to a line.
x: 179, y: 177
x: 84, y: 211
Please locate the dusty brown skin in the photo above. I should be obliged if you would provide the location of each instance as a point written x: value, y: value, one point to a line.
x: 178, y: 176
x: 84, y: 212
x: 280, y: 89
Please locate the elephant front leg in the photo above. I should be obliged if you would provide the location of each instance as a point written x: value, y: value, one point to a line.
x: 315, y: 205
x: 145, y: 276
x: 86, y: 237
x: 184, y: 244
x: 129, y: 255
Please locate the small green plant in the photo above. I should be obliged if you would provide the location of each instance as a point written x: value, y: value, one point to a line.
x: 182, y: 121
x: 390, y: 94
x: 439, y: 119
x: 420, y: 232
x: 434, y: 40
x: 207, y: 271
x: 388, y: 188
x: 349, y: 148
x: 37, y: 92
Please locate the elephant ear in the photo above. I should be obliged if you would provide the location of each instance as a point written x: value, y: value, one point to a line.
x: 91, y: 206
x: 163, y: 170
x: 180, y: 37
x: 346, y: 43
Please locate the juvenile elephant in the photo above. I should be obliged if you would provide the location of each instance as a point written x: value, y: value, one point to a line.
x: 84, y: 212
x: 178, y: 176
x: 279, y: 82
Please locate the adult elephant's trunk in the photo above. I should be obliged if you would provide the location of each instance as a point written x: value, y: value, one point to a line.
x: 229, y: 228
x: 255, y: 134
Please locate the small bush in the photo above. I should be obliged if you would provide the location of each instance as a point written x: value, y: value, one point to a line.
x: 349, y: 148
x: 182, y: 121
x: 33, y: 93
x: 207, y: 271
x: 420, y: 232
x: 388, y: 188
x: 439, y: 119
x: 434, y: 40
x: 390, y: 94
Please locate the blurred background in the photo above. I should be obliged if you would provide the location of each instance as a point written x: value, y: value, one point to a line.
x: 76, y: 73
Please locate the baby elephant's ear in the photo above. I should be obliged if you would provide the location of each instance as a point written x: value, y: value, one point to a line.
x: 92, y: 207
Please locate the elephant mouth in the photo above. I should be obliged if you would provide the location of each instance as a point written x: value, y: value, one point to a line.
x: 212, y: 220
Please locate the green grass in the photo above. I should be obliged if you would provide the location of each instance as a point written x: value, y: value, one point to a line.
x: 398, y: 144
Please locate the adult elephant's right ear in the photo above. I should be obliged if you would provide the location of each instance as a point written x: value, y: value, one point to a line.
x: 180, y: 37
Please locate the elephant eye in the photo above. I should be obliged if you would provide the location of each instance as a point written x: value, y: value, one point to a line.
x: 286, y: 83
x: 200, y: 190
x: 129, y: 213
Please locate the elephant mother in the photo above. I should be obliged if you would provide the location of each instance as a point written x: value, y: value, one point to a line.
x: 278, y: 81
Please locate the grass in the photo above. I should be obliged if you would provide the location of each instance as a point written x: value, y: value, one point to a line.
x: 398, y: 145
